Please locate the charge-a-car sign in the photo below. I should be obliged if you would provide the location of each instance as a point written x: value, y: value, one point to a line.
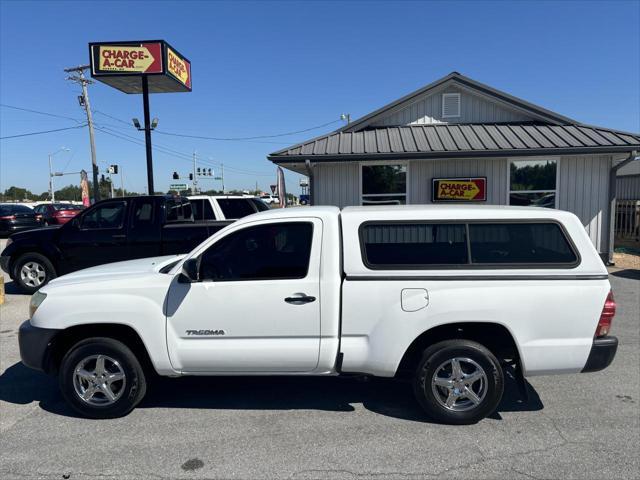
x: 179, y: 67
x: 124, y: 65
x: 460, y: 189
x: 143, y: 58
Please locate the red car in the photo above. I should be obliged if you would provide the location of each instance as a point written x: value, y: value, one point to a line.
x: 56, y: 213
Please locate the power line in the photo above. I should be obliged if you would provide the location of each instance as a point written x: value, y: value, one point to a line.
x: 248, y: 138
x: 230, y: 139
x: 42, y: 132
x: 39, y: 112
x: 176, y: 154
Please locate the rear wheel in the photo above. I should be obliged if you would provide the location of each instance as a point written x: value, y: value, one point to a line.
x: 101, y: 378
x: 32, y: 271
x: 458, y: 382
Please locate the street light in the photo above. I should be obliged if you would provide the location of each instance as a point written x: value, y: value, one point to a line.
x: 52, y: 174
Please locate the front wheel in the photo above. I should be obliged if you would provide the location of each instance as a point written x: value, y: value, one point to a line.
x: 458, y: 382
x: 101, y: 378
x: 32, y: 271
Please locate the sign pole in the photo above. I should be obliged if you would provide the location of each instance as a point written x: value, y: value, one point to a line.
x: 147, y: 133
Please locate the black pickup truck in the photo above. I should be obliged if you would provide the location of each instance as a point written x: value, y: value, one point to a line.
x: 109, y: 231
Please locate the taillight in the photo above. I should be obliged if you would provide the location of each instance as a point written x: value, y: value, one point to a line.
x: 606, y: 317
x: 8, y: 217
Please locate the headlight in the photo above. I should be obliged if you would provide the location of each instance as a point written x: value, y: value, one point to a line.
x: 36, y: 299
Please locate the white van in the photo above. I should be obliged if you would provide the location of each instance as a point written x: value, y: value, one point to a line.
x: 440, y: 295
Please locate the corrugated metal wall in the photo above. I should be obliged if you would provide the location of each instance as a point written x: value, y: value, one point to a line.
x: 628, y: 187
x: 584, y: 190
x: 473, y: 109
x: 336, y: 184
x: 583, y: 185
x: 421, y: 173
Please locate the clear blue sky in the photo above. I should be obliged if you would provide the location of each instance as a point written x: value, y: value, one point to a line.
x: 263, y: 68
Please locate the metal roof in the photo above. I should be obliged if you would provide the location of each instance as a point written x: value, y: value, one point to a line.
x: 460, y: 140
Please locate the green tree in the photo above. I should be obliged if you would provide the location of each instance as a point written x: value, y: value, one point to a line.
x: 17, y: 194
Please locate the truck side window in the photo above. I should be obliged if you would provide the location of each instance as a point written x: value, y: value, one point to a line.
x: 235, y: 207
x: 208, y: 211
x: 275, y: 251
x: 411, y: 245
x: 519, y: 243
x: 196, y: 207
x: 108, y: 215
x: 142, y: 213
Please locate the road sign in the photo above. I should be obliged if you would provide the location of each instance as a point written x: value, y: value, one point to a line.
x: 123, y: 65
x: 178, y: 186
x: 459, y: 189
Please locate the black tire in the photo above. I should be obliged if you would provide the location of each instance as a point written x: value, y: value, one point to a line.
x: 35, y: 258
x: 436, y: 360
x: 132, y: 389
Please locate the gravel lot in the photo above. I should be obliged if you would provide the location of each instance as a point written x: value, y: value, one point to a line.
x: 578, y: 426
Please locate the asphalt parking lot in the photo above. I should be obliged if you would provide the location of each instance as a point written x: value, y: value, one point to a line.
x: 575, y: 426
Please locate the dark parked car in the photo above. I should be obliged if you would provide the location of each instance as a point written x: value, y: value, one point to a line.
x: 109, y: 231
x: 57, y: 213
x: 15, y: 218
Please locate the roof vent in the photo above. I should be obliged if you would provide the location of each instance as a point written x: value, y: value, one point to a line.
x: 450, y: 105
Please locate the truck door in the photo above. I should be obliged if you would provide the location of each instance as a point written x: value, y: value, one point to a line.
x: 144, y: 237
x: 97, y: 237
x: 256, y: 305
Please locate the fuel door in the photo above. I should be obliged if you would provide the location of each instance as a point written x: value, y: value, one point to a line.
x: 414, y: 299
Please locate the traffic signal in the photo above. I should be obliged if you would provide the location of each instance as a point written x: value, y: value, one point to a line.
x: 191, y: 176
x: 198, y: 171
x: 176, y: 176
x: 114, y: 169
x: 209, y: 172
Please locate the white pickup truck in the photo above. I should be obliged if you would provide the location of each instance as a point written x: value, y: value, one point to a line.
x: 444, y: 296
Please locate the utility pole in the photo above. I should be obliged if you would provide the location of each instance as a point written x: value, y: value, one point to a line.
x: 111, y: 182
x: 194, y: 184
x: 84, y: 101
x: 52, y: 174
x: 51, y: 192
x: 122, y: 180
x: 222, y: 175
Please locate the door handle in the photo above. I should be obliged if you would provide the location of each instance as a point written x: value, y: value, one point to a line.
x: 300, y: 299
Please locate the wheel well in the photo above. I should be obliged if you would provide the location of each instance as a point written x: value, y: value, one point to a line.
x: 69, y: 337
x: 492, y: 335
x: 24, y: 251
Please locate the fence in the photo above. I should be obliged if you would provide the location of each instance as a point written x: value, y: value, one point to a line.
x: 628, y: 220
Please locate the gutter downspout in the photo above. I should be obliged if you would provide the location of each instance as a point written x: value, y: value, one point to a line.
x: 307, y: 164
x: 612, y: 202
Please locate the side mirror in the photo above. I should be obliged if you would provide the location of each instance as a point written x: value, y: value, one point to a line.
x: 75, y: 222
x: 189, y: 273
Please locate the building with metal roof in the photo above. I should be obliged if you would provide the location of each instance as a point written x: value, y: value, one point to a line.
x: 458, y: 140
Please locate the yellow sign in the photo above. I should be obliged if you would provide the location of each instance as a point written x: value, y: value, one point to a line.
x: 459, y: 189
x: 179, y: 67
x: 118, y: 58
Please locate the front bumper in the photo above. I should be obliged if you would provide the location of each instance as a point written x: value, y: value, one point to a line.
x: 34, y: 345
x: 602, y: 352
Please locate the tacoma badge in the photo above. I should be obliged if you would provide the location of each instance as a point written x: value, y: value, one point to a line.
x: 205, y: 332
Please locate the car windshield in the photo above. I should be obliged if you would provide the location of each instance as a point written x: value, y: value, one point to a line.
x: 66, y: 206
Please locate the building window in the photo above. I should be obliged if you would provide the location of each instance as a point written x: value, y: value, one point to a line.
x: 384, y: 184
x: 450, y: 105
x: 533, y: 182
